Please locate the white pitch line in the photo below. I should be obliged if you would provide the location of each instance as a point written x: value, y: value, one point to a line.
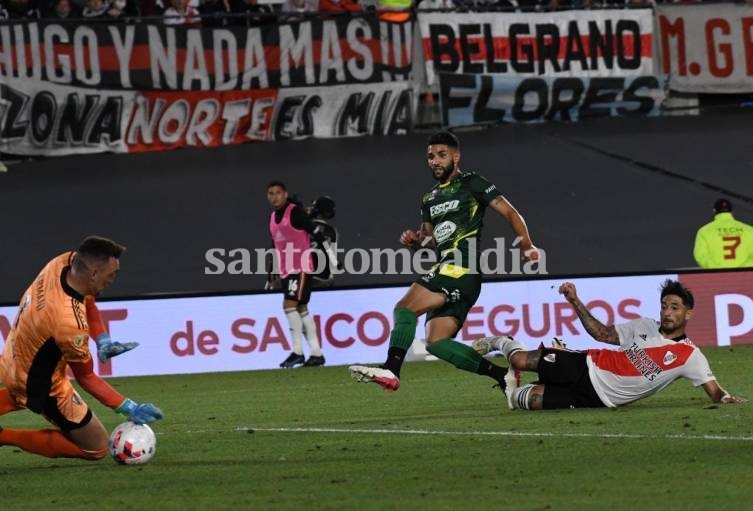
x: 483, y: 433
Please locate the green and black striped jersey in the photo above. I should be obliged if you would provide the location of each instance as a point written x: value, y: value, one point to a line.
x: 456, y: 210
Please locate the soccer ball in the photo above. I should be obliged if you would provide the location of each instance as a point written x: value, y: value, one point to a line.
x: 132, y: 444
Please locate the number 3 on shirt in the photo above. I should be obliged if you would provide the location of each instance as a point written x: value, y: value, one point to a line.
x: 730, y: 248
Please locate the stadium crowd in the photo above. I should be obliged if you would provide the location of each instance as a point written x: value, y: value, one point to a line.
x: 244, y: 12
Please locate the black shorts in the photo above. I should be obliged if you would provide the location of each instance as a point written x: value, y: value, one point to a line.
x: 564, y: 375
x: 297, y: 287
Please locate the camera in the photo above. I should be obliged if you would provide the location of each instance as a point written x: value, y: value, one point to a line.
x: 322, y: 207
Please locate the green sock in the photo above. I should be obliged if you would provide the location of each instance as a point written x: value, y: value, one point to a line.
x: 458, y: 354
x: 401, y: 338
x: 405, y: 329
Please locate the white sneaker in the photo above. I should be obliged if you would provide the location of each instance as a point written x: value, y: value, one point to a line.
x: 382, y: 377
x: 512, y: 382
x: 488, y: 344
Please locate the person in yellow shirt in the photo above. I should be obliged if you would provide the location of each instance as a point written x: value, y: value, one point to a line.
x: 724, y: 242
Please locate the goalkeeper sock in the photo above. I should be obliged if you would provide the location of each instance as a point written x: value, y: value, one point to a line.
x: 401, y: 338
x: 464, y: 357
x: 50, y: 443
x: 309, y: 330
x: 6, y: 403
x: 296, y: 327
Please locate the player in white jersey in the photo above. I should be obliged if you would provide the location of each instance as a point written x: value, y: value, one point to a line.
x: 650, y: 357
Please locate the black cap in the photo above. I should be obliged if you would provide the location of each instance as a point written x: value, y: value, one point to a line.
x: 722, y: 206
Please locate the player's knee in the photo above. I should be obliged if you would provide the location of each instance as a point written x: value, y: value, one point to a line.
x: 517, y: 359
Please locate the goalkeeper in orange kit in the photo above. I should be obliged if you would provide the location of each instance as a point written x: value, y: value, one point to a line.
x: 55, y: 319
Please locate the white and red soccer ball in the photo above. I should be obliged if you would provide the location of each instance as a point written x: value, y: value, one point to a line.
x: 132, y: 444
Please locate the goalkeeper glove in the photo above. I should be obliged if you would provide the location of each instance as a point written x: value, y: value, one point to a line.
x: 144, y: 413
x: 107, y: 348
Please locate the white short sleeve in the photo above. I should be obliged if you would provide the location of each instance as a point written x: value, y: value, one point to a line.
x: 697, y: 369
x: 641, y: 327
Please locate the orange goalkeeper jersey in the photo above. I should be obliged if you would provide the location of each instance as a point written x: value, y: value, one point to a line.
x: 49, y: 331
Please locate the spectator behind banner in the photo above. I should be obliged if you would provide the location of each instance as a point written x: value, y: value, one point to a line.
x: 213, y: 12
x: 256, y: 14
x: 430, y: 5
x: 292, y: 7
x: 724, y: 242
x: 19, y: 9
x: 62, y: 10
x: 105, y: 9
x: 180, y: 13
x: 396, y: 11
x: 340, y: 6
x: 95, y: 9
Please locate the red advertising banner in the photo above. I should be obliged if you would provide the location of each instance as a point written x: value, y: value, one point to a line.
x: 723, y: 314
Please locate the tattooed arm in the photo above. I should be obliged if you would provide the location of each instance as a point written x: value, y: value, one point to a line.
x: 594, y: 327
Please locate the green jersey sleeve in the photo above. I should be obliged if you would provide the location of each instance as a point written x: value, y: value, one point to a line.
x: 483, y: 190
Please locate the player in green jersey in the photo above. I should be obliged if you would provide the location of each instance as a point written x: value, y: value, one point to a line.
x: 451, y: 221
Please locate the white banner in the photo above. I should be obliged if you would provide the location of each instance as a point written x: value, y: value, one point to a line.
x: 573, y: 43
x: 468, y: 100
x: 344, y: 110
x: 707, y: 48
x: 45, y: 119
x: 71, y: 120
x: 248, y: 332
x: 235, y: 333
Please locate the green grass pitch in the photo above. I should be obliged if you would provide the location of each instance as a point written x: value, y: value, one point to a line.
x: 311, y: 438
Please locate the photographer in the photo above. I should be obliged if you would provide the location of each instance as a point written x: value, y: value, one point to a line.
x: 324, y: 241
x: 291, y: 230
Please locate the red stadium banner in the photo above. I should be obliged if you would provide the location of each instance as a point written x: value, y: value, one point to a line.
x: 707, y: 48
x: 560, y: 44
x: 318, y: 51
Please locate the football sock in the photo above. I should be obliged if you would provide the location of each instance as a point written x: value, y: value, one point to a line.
x: 464, y: 357
x: 296, y: 328
x: 6, y: 403
x: 309, y: 330
x: 520, y: 397
x: 486, y: 368
x: 401, y: 338
x: 508, y: 346
x: 50, y: 443
x: 395, y: 357
x: 405, y: 328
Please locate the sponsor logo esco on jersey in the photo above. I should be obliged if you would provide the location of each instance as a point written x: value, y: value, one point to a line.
x: 444, y: 207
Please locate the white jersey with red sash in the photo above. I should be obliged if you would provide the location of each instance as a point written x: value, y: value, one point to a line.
x: 645, y: 364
